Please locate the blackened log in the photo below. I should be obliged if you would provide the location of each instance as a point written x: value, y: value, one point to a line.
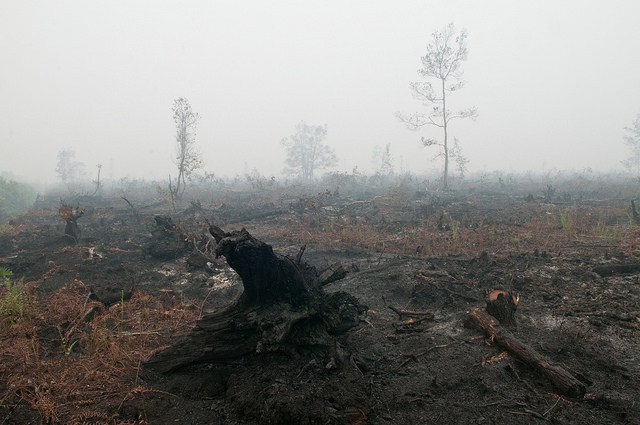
x: 560, y: 377
x: 616, y: 269
x: 332, y: 274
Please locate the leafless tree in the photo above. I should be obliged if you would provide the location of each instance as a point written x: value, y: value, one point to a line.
x: 306, y: 151
x: 632, y: 138
x: 188, y: 158
x: 383, y: 160
x: 68, y: 169
x: 97, y: 181
x: 442, y: 62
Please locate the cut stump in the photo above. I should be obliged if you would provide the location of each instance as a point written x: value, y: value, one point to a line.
x: 503, y: 305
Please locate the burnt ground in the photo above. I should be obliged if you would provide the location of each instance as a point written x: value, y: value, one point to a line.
x: 96, y: 310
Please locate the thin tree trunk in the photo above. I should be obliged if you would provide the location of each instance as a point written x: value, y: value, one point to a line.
x: 445, y: 177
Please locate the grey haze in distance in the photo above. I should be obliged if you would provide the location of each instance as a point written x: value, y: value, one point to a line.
x: 555, y: 82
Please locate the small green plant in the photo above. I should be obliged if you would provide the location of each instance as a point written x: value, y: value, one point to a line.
x: 6, y: 229
x: 66, y: 344
x: 601, y: 229
x: 122, y: 305
x: 456, y: 230
x: 13, y: 297
x: 5, y: 275
x: 566, y: 221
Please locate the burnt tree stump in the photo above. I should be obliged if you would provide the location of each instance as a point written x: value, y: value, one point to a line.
x: 70, y: 216
x: 503, y: 305
x: 167, y: 240
x: 282, y: 306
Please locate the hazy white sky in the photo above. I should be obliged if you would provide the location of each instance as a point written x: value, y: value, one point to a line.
x: 555, y: 81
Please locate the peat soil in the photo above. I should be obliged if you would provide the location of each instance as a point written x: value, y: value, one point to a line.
x: 431, y: 367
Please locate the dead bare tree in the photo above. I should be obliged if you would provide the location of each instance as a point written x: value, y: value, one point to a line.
x: 188, y: 158
x: 443, y: 62
x: 632, y: 139
x: 97, y: 181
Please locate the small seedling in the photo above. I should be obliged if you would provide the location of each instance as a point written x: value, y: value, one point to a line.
x: 566, y: 221
x: 122, y: 304
x: 67, y: 347
x: 5, y: 275
x: 456, y: 230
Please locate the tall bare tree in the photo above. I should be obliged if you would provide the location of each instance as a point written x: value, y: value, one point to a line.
x: 442, y: 62
x: 188, y: 158
x: 306, y: 151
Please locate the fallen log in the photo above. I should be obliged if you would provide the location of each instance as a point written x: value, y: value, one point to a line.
x: 332, y: 274
x: 282, y: 306
x: 616, y: 269
x: 560, y: 377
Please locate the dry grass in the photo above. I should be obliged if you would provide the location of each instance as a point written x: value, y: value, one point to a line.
x: 73, y: 361
x: 518, y: 228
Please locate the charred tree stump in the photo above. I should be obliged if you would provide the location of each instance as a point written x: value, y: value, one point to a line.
x: 267, y: 278
x: 70, y: 216
x: 503, y: 305
x: 167, y: 241
x: 560, y: 377
x: 282, y: 306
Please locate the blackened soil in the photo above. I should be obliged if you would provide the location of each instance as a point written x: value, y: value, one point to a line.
x: 431, y: 368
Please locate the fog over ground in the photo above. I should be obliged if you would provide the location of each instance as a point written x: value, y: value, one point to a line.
x: 555, y: 82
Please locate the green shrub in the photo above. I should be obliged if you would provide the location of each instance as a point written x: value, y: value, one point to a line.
x: 14, y: 197
x: 13, y: 296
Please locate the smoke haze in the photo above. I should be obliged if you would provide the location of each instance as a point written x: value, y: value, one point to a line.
x: 555, y: 82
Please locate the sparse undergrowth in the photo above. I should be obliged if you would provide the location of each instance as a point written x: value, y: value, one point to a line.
x: 462, y: 231
x: 14, y: 297
x: 74, y: 361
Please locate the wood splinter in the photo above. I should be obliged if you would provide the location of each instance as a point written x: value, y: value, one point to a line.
x: 401, y: 313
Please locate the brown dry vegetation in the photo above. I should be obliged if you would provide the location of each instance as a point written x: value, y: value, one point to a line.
x: 71, y: 360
